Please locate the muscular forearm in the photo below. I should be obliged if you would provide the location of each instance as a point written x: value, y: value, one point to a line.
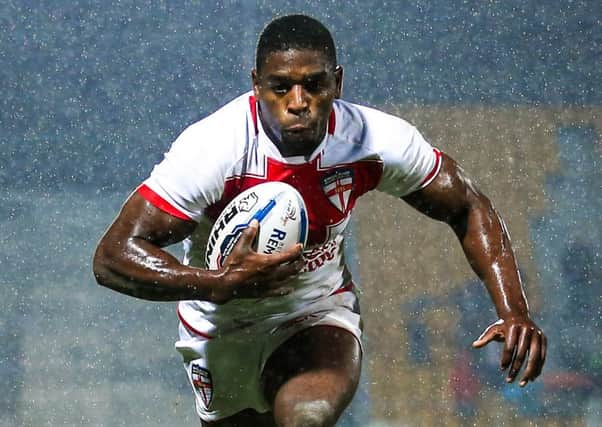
x: 486, y: 243
x: 487, y: 246
x: 143, y: 270
x: 454, y: 199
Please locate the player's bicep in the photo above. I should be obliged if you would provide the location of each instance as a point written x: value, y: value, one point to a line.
x: 141, y: 219
x: 449, y: 196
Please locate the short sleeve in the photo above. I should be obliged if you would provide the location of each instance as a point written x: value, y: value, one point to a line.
x: 409, y: 161
x: 190, y: 177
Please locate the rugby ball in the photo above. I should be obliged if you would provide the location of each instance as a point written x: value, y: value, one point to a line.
x: 282, y: 217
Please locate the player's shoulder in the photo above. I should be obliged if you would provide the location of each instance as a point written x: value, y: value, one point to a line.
x: 354, y: 119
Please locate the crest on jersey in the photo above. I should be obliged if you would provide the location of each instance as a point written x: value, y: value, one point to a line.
x: 337, y: 186
x: 202, y: 383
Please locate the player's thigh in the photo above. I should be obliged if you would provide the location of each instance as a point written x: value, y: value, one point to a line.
x: 245, y: 418
x: 313, y: 376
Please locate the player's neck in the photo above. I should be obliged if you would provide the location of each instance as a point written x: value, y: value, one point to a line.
x: 293, y: 148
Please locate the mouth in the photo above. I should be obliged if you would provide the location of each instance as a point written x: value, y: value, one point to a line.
x: 298, y: 139
x: 297, y: 128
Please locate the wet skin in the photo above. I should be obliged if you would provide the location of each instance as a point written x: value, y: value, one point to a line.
x: 295, y: 91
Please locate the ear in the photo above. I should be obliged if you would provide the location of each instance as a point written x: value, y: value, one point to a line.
x: 338, y: 75
x: 255, y: 81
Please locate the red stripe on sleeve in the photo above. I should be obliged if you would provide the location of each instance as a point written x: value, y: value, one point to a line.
x: 435, y: 169
x: 159, y: 202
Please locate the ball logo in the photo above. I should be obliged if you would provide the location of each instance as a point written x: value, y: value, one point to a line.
x: 289, y: 214
x: 248, y: 202
x: 221, y: 224
x: 275, y: 242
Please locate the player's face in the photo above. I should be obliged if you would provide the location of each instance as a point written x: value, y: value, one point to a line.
x: 295, y: 91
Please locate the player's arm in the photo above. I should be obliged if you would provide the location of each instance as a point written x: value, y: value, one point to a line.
x: 130, y: 259
x: 454, y: 199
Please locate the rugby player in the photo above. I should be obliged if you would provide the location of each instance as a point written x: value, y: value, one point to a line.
x: 275, y: 340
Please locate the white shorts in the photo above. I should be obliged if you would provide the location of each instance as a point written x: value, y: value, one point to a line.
x: 225, y: 370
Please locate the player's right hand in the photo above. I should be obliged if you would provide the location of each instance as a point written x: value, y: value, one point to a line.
x: 249, y: 274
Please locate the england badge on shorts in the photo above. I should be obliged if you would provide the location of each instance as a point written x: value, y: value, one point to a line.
x: 201, y: 380
x: 337, y: 186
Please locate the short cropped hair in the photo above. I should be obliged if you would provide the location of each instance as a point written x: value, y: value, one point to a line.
x: 294, y: 32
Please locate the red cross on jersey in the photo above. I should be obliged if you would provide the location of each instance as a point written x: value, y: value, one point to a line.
x: 227, y: 152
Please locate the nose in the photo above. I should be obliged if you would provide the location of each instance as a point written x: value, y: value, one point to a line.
x: 297, y: 102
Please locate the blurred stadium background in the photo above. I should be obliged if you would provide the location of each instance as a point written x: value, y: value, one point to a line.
x: 94, y: 92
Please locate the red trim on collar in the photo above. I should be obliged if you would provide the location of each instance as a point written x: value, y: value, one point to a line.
x: 332, y: 122
x: 253, y: 106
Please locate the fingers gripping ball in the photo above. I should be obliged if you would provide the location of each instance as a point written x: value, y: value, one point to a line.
x: 280, y: 211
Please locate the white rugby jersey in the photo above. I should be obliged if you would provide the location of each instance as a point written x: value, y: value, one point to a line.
x: 222, y: 155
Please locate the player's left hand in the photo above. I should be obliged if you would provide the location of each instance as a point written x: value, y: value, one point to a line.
x: 521, y: 336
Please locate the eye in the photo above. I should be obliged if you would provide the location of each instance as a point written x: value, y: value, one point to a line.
x: 311, y: 86
x: 314, y: 85
x: 281, y: 88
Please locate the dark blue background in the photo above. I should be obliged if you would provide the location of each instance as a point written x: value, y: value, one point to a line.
x: 94, y: 92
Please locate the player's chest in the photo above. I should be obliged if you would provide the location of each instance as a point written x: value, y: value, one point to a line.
x: 330, y: 191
